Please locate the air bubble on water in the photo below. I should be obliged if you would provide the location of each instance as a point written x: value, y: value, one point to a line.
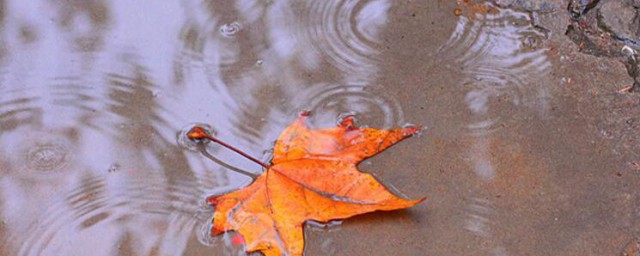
x: 230, y: 29
x: 184, y: 141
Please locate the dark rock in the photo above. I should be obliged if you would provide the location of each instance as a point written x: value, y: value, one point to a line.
x: 608, y: 29
x: 620, y: 18
x: 577, y: 8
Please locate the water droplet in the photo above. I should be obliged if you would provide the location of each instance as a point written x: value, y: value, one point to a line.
x: 114, y: 167
x: 47, y: 157
x: 229, y: 30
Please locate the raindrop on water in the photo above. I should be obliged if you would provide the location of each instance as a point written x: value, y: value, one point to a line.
x: 229, y: 30
x: 114, y: 167
x: 329, y: 101
x: 47, y: 157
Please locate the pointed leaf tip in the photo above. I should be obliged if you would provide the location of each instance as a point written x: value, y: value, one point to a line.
x: 348, y: 123
x: 412, y: 130
x: 305, y: 113
x: 213, y: 200
x: 215, y: 231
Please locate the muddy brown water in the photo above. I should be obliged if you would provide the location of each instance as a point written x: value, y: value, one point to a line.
x: 529, y: 148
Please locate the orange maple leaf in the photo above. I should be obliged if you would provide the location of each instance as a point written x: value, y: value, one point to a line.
x: 313, y: 176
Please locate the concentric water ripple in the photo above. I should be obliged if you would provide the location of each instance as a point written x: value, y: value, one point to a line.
x: 92, y: 96
x: 51, y: 136
x: 347, y: 34
x: 259, y: 56
x: 328, y: 102
x: 113, y: 130
x: 502, y: 57
x: 119, y: 204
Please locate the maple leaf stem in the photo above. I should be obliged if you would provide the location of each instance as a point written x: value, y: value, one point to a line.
x: 199, y: 133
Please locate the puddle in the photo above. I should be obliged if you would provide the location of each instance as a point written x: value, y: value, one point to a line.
x: 95, y: 100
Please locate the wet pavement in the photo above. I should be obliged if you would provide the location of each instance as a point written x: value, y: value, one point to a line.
x: 530, y: 148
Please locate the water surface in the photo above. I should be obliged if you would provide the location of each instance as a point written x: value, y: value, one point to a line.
x: 526, y: 153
